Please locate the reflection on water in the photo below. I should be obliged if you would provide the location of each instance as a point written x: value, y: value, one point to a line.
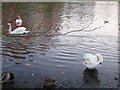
x: 47, y: 52
x: 14, y: 49
x: 91, y: 77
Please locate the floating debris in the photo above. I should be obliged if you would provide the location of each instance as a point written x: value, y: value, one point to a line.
x: 28, y: 64
x: 116, y: 78
x: 10, y: 60
x: 18, y: 62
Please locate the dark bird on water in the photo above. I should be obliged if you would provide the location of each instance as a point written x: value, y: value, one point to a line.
x: 7, y: 77
x: 48, y: 82
x: 105, y: 22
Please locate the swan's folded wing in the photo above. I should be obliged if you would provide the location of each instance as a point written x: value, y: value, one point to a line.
x: 19, y: 30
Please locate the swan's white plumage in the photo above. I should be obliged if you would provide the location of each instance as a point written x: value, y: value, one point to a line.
x: 19, y: 30
x: 92, y: 61
x: 18, y: 21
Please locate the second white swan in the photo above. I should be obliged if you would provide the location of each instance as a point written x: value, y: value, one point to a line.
x: 18, y: 21
x: 92, y: 61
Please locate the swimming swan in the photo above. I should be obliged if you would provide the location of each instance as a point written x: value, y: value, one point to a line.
x: 92, y: 61
x: 19, y: 30
x: 18, y: 21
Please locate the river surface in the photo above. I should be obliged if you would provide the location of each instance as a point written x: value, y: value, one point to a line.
x: 57, y: 42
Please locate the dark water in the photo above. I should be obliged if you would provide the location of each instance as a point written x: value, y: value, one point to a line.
x: 55, y: 46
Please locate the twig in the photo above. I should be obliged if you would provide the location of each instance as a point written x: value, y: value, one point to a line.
x: 92, y: 29
x: 90, y: 24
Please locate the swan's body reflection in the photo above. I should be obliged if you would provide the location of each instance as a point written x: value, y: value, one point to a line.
x: 90, y: 77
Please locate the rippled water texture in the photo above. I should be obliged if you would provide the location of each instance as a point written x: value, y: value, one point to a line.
x: 59, y: 37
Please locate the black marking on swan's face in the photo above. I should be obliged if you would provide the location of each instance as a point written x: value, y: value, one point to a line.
x: 98, y: 59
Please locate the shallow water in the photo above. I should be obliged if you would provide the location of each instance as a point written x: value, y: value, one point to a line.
x: 52, y: 50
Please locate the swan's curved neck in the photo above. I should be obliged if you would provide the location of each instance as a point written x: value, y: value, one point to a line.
x: 10, y: 29
x: 99, y: 57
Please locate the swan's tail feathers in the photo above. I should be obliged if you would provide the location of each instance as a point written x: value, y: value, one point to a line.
x: 99, y: 57
x: 26, y: 32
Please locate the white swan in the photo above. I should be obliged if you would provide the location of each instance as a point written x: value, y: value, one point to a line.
x: 92, y: 61
x: 19, y: 30
x: 18, y: 21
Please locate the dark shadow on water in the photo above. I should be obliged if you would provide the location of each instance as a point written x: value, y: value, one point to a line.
x: 8, y: 85
x: 90, y: 77
x: 50, y: 87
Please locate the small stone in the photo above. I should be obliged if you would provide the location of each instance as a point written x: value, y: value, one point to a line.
x: 116, y: 78
x: 28, y: 64
x: 118, y: 85
x: 25, y: 82
x: 31, y: 60
x: 18, y: 63
x: 21, y: 76
x: 69, y: 82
